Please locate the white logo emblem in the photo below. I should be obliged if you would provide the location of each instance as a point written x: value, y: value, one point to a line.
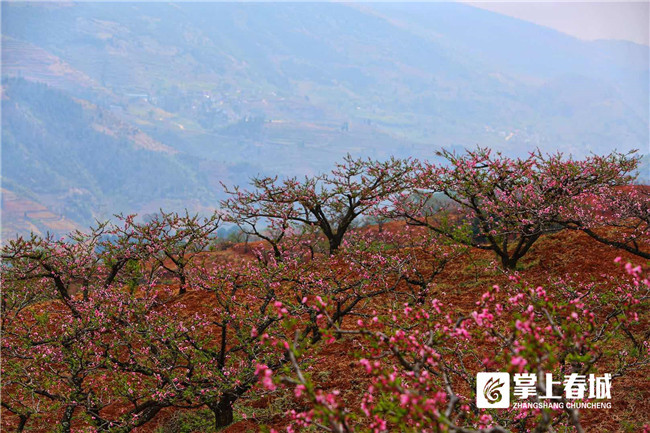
x: 493, y: 390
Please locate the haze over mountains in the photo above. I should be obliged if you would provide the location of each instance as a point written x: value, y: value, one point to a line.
x: 110, y: 107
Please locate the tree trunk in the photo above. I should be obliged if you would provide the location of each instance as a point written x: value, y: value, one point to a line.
x: 508, y: 262
x: 277, y: 253
x: 23, y: 421
x: 66, y: 420
x: 335, y: 243
x: 183, y: 282
x: 222, y: 409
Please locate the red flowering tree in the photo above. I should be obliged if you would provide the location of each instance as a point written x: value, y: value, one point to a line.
x: 619, y: 218
x: 79, y: 346
x: 171, y: 240
x: 113, y: 359
x: 331, y: 202
x: 68, y: 265
x: 423, y: 361
x: 509, y: 202
x: 417, y: 255
x: 254, y: 302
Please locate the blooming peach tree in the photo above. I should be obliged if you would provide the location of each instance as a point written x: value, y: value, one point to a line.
x: 422, y: 362
x: 619, y: 218
x: 85, y: 351
x: 330, y: 202
x: 171, y: 240
x: 510, y: 202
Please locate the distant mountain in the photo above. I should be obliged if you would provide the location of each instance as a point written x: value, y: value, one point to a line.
x: 80, y: 162
x: 219, y: 91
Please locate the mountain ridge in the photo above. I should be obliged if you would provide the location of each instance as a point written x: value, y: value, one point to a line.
x: 288, y: 89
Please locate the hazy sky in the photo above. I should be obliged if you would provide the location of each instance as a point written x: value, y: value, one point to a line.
x: 586, y: 20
